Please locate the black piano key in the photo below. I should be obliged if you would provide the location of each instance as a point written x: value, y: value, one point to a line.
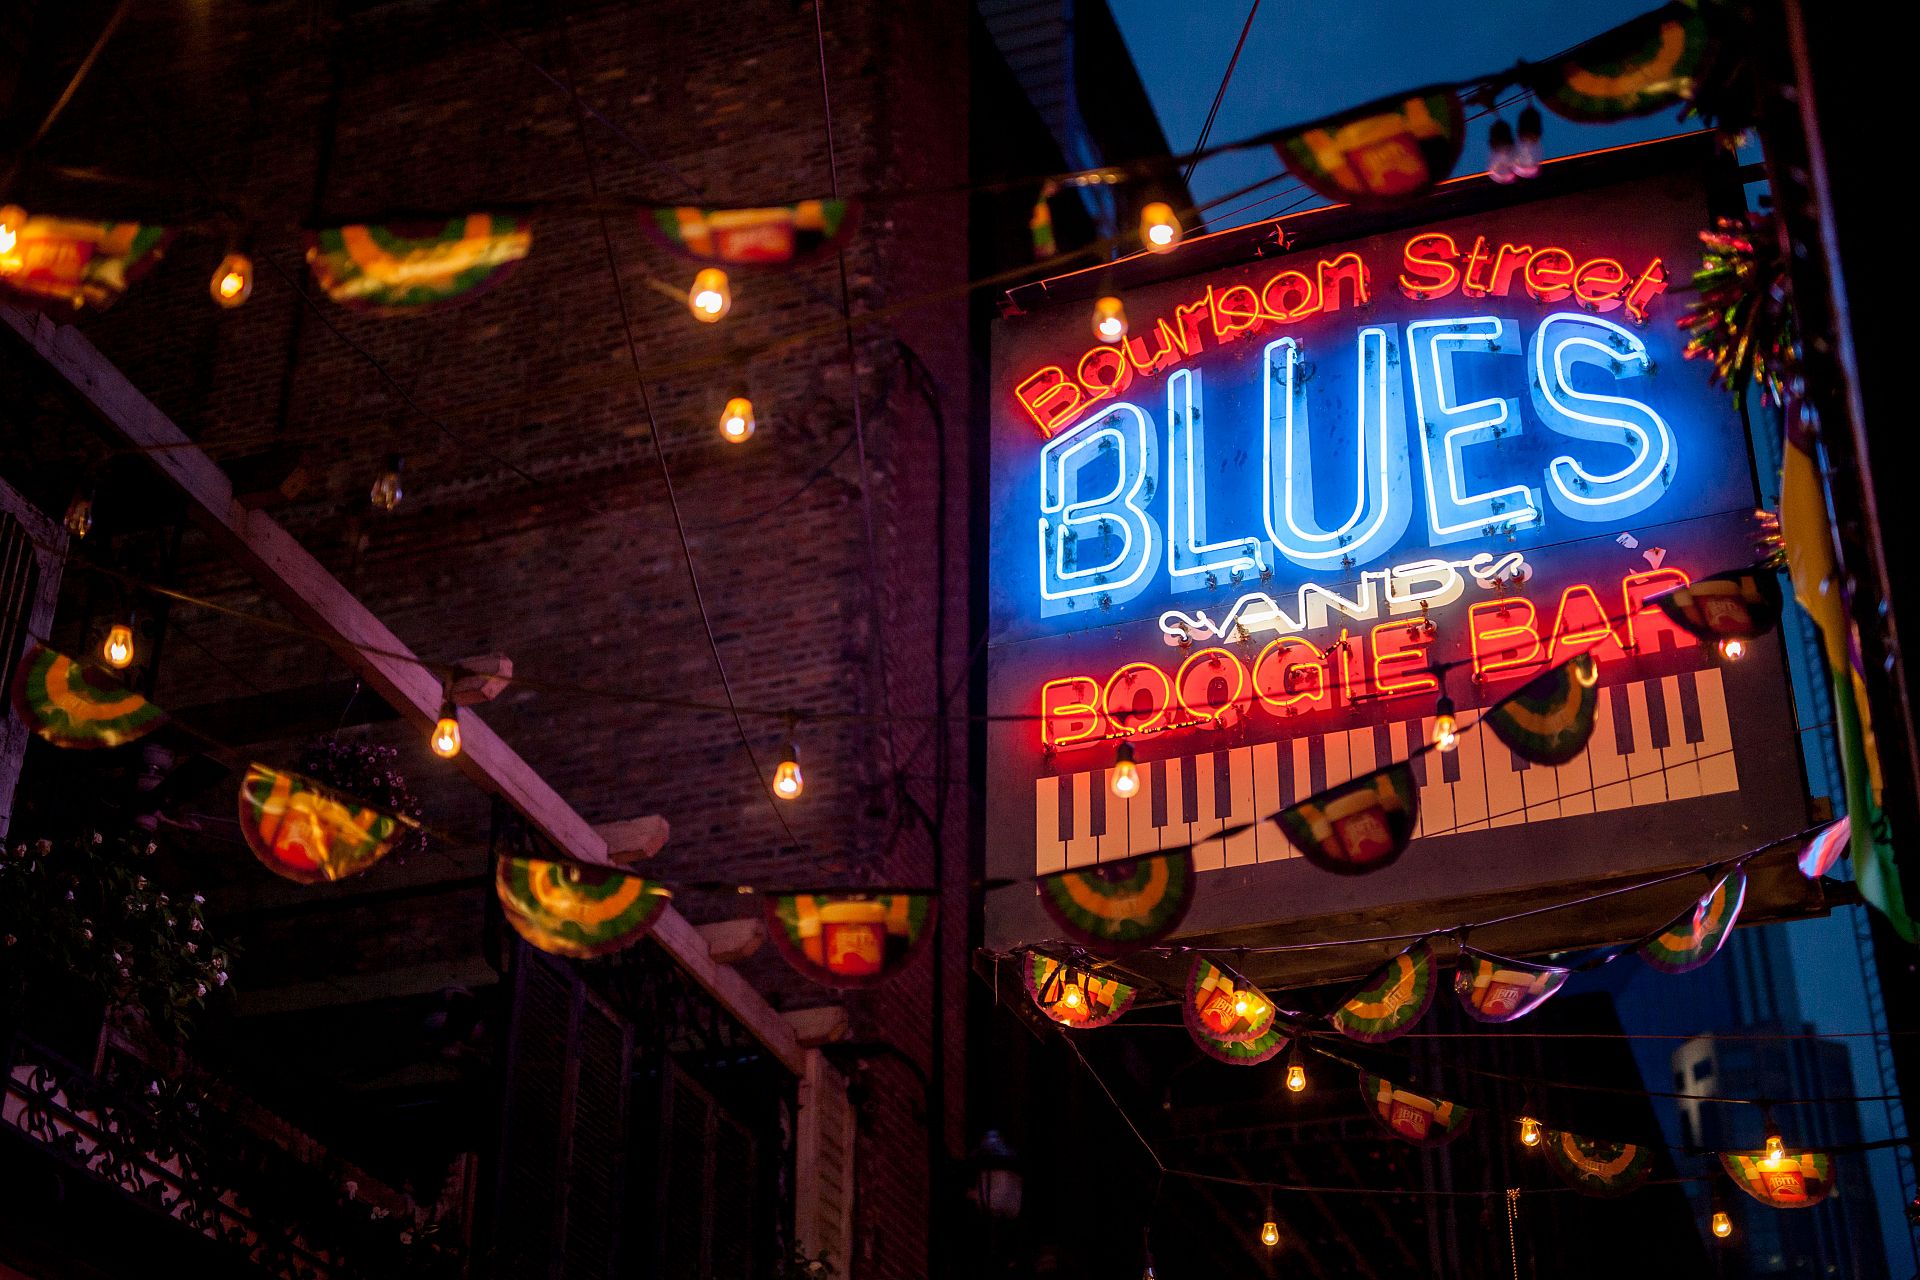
x: 1097, y: 803
x: 1382, y: 747
x: 1657, y: 714
x: 1418, y: 762
x: 1519, y: 761
x: 1066, y: 807
x: 1189, y: 789
x: 1157, y: 784
x: 1222, y: 785
x: 1317, y: 764
x: 1622, y: 721
x: 1450, y: 765
x: 1287, y: 793
x: 1690, y: 725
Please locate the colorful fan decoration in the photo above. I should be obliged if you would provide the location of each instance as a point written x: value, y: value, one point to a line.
x: 72, y: 261
x: 404, y: 268
x: 1074, y: 997
x: 850, y: 939
x: 567, y: 909
x: 1630, y: 71
x: 1495, y: 989
x: 1230, y: 1018
x: 779, y: 235
x: 1358, y: 826
x: 1797, y: 1180
x: 1696, y: 937
x: 311, y: 833
x: 1549, y: 718
x: 1386, y: 152
x: 1825, y: 849
x: 1740, y: 605
x: 1741, y: 319
x: 75, y: 706
x: 1425, y: 1122
x: 1119, y: 906
x: 1597, y: 1168
x: 1393, y: 999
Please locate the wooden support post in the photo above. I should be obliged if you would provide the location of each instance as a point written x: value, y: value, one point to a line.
x: 731, y: 941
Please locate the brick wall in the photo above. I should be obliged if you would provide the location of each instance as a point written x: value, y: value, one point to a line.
x: 300, y: 112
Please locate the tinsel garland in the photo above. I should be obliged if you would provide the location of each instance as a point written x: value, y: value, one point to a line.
x: 1741, y: 319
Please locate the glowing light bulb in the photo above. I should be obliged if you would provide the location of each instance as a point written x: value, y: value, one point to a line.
x: 387, y: 490
x: 118, y: 649
x: 1776, y: 1153
x: 736, y: 420
x: 1722, y: 1224
x: 1109, y: 319
x: 1072, y: 997
x: 12, y: 218
x: 1240, y: 1005
x: 1529, y: 1131
x: 1270, y: 1233
x: 1296, y: 1078
x: 1526, y: 148
x: 232, y: 282
x: 1500, y: 152
x: 1125, y: 779
x: 79, y: 519
x: 1446, y: 730
x: 446, y: 734
x: 787, y: 780
x: 1733, y: 648
x: 710, y: 298
x: 1159, y: 228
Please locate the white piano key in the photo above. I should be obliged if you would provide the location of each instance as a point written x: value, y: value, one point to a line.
x: 1678, y: 759
x: 1082, y: 849
x: 1269, y: 843
x: 1333, y: 749
x: 1611, y: 790
x: 1506, y: 797
x: 1240, y: 850
x: 1142, y: 835
x: 1470, y: 804
x: 1718, y: 773
x: 1115, y: 842
x: 1574, y: 781
x: 1207, y: 854
x: 1049, y: 851
x: 1643, y: 765
x: 1540, y: 785
x: 1436, y: 797
x: 1360, y: 751
x: 1178, y: 830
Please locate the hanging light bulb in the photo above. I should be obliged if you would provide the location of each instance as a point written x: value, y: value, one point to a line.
x: 1722, y: 1224
x: 12, y: 218
x: 736, y: 420
x: 387, y: 491
x: 1446, y: 731
x: 1500, y: 152
x: 787, y: 782
x: 446, y: 732
x: 1776, y: 1156
x: 1073, y: 994
x: 1270, y: 1233
x: 118, y: 648
x: 1529, y: 1131
x: 232, y: 282
x: 710, y: 298
x: 1526, y: 147
x: 79, y: 519
x: 1159, y: 228
x: 1732, y: 648
x: 1110, y: 319
x: 1296, y: 1071
x: 1125, y: 778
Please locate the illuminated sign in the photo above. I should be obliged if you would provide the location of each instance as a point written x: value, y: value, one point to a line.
x: 1311, y: 492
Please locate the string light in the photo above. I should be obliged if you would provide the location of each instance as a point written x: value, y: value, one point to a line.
x: 736, y: 420
x: 1529, y: 1131
x: 118, y: 647
x: 710, y: 298
x: 1296, y: 1070
x: 11, y: 219
x: 1270, y: 1233
x: 1073, y: 994
x: 1446, y: 731
x: 387, y: 490
x: 232, y: 282
x: 1733, y: 648
x: 1722, y: 1224
x: 1500, y: 158
x: 787, y: 780
x: 1125, y: 779
x: 1110, y: 319
x: 1526, y: 147
x: 1776, y: 1156
x: 79, y: 519
x: 1159, y: 228
x: 446, y: 732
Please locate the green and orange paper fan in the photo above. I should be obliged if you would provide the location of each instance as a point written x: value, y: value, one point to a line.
x: 1386, y: 152
x: 405, y: 268
x: 1413, y: 1117
x: 777, y: 235
x: 1112, y: 907
x: 849, y: 939
x: 1496, y: 989
x: 1632, y: 70
x: 1597, y: 1168
x: 1073, y: 997
x: 310, y: 833
x: 71, y: 705
x: 1697, y: 936
x: 1393, y: 999
x: 1358, y: 826
x: 1741, y: 605
x: 570, y: 909
x: 1549, y: 719
x: 1231, y: 1020
x: 1799, y: 1180
x: 64, y: 264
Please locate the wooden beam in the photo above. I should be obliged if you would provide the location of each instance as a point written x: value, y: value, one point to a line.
x: 731, y: 941
x: 319, y: 601
x: 634, y: 839
x: 815, y: 1027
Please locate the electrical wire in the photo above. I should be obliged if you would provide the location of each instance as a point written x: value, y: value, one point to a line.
x: 1206, y: 130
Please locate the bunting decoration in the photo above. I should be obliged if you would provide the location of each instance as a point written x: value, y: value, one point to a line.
x: 1076, y: 998
x: 780, y: 235
x: 1113, y: 907
x: 1358, y: 826
x: 1495, y: 989
x: 1386, y: 152
x: 850, y: 939
x: 1597, y: 1168
x: 74, y: 263
x: 310, y: 833
x: 1741, y: 605
x: 1632, y: 70
x: 1797, y: 1180
x: 1696, y: 937
x: 403, y: 269
x: 1392, y: 1000
x: 1040, y: 225
x: 71, y: 705
x: 1229, y: 1018
x: 1824, y: 850
x: 567, y: 909
x: 1403, y: 1114
x: 1549, y: 718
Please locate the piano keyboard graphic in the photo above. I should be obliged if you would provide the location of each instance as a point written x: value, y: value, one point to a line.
x: 1653, y: 741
